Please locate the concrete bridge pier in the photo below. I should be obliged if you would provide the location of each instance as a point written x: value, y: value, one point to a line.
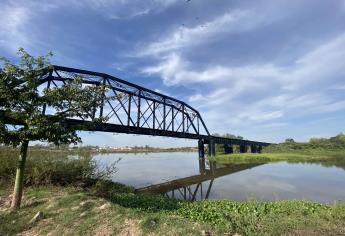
x: 228, y: 148
x: 211, y: 148
x: 253, y: 149
x: 243, y: 148
x: 259, y: 149
x: 201, y: 143
x: 202, y: 166
x: 213, y: 166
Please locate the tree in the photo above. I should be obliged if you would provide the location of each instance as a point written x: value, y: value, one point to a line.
x: 289, y: 140
x: 22, y: 102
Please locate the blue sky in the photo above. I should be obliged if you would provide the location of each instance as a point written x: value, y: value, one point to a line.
x: 266, y: 70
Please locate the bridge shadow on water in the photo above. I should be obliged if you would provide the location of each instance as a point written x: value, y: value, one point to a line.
x: 167, y: 196
x: 195, y: 187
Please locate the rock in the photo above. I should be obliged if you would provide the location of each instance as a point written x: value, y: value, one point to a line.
x: 206, y: 233
x: 153, y: 222
x: 75, y: 208
x: 83, y: 214
x: 86, y: 203
x: 50, y: 206
x: 39, y: 216
x: 104, y: 206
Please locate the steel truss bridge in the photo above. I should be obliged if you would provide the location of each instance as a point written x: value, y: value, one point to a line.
x: 137, y: 110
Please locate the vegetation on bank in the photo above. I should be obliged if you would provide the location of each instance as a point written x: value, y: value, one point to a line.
x: 96, y: 149
x: 328, y: 152
x: 75, y: 200
x: 142, y: 149
x: 113, y: 209
x: 58, y: 167
x: 316, y: 146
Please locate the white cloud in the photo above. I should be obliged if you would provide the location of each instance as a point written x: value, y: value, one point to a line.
x: 18, y: 17
x: 124, y: 9
x: 337, y: 87
x: 281, y: 92
x: 325, y: 63
x: 13, y: 20
x: 234, y: 22
x: 174, y: 70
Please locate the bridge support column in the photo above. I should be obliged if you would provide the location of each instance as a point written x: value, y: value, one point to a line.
x: 213, y: 166
x: 201, y: 148
x: 228, y: 148
x: 202, y: 166
x: 259, y: 149
x: 243, y: 148
x: 253, y: 149
x: 211, y: 148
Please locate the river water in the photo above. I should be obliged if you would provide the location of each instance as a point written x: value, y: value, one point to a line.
x: 183, y: 176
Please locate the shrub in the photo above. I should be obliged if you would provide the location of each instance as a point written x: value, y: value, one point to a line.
x: 59, y: 167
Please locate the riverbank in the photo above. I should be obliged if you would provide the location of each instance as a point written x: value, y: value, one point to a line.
x: 297, y: 157
x: 117, y: 210
x: 63, y: 188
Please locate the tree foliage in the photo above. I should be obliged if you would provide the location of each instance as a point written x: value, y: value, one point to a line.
x: 336, y: 143
x: 22, y: 99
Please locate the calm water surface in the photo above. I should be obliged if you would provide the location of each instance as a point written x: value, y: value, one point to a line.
x: 181, y: 175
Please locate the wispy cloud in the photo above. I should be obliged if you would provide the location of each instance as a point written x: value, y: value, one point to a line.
x: 300, y: 85
x: 235, y: 22
x: 14, y: 20
x: 174, y: 70
x: 124, y: 9
x: 337, y: 87
x: 324, y: 63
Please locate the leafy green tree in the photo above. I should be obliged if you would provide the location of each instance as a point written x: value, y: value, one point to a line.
x: 22, y: 102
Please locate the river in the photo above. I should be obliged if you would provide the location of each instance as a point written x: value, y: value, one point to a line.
x: 181, y: 175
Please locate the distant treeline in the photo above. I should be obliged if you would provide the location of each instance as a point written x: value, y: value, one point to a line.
x: 96, y: 149
x: 336, y: 143
x: 138, y: 149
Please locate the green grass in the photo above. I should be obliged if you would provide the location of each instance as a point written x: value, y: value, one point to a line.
x: 328, y: 152
x: 73, y: 211
x: 259, y: 157
x: 273, y: 218
x: 325, y: 159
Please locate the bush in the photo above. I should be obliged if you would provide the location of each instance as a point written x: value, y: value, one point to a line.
x: 315, y: 145
x: 107, y: 188
x: 57, y: 167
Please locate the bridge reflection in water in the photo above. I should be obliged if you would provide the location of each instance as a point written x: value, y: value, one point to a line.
x: 196, y: 187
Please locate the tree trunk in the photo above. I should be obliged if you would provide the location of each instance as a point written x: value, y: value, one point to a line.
x: 18, y: 186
